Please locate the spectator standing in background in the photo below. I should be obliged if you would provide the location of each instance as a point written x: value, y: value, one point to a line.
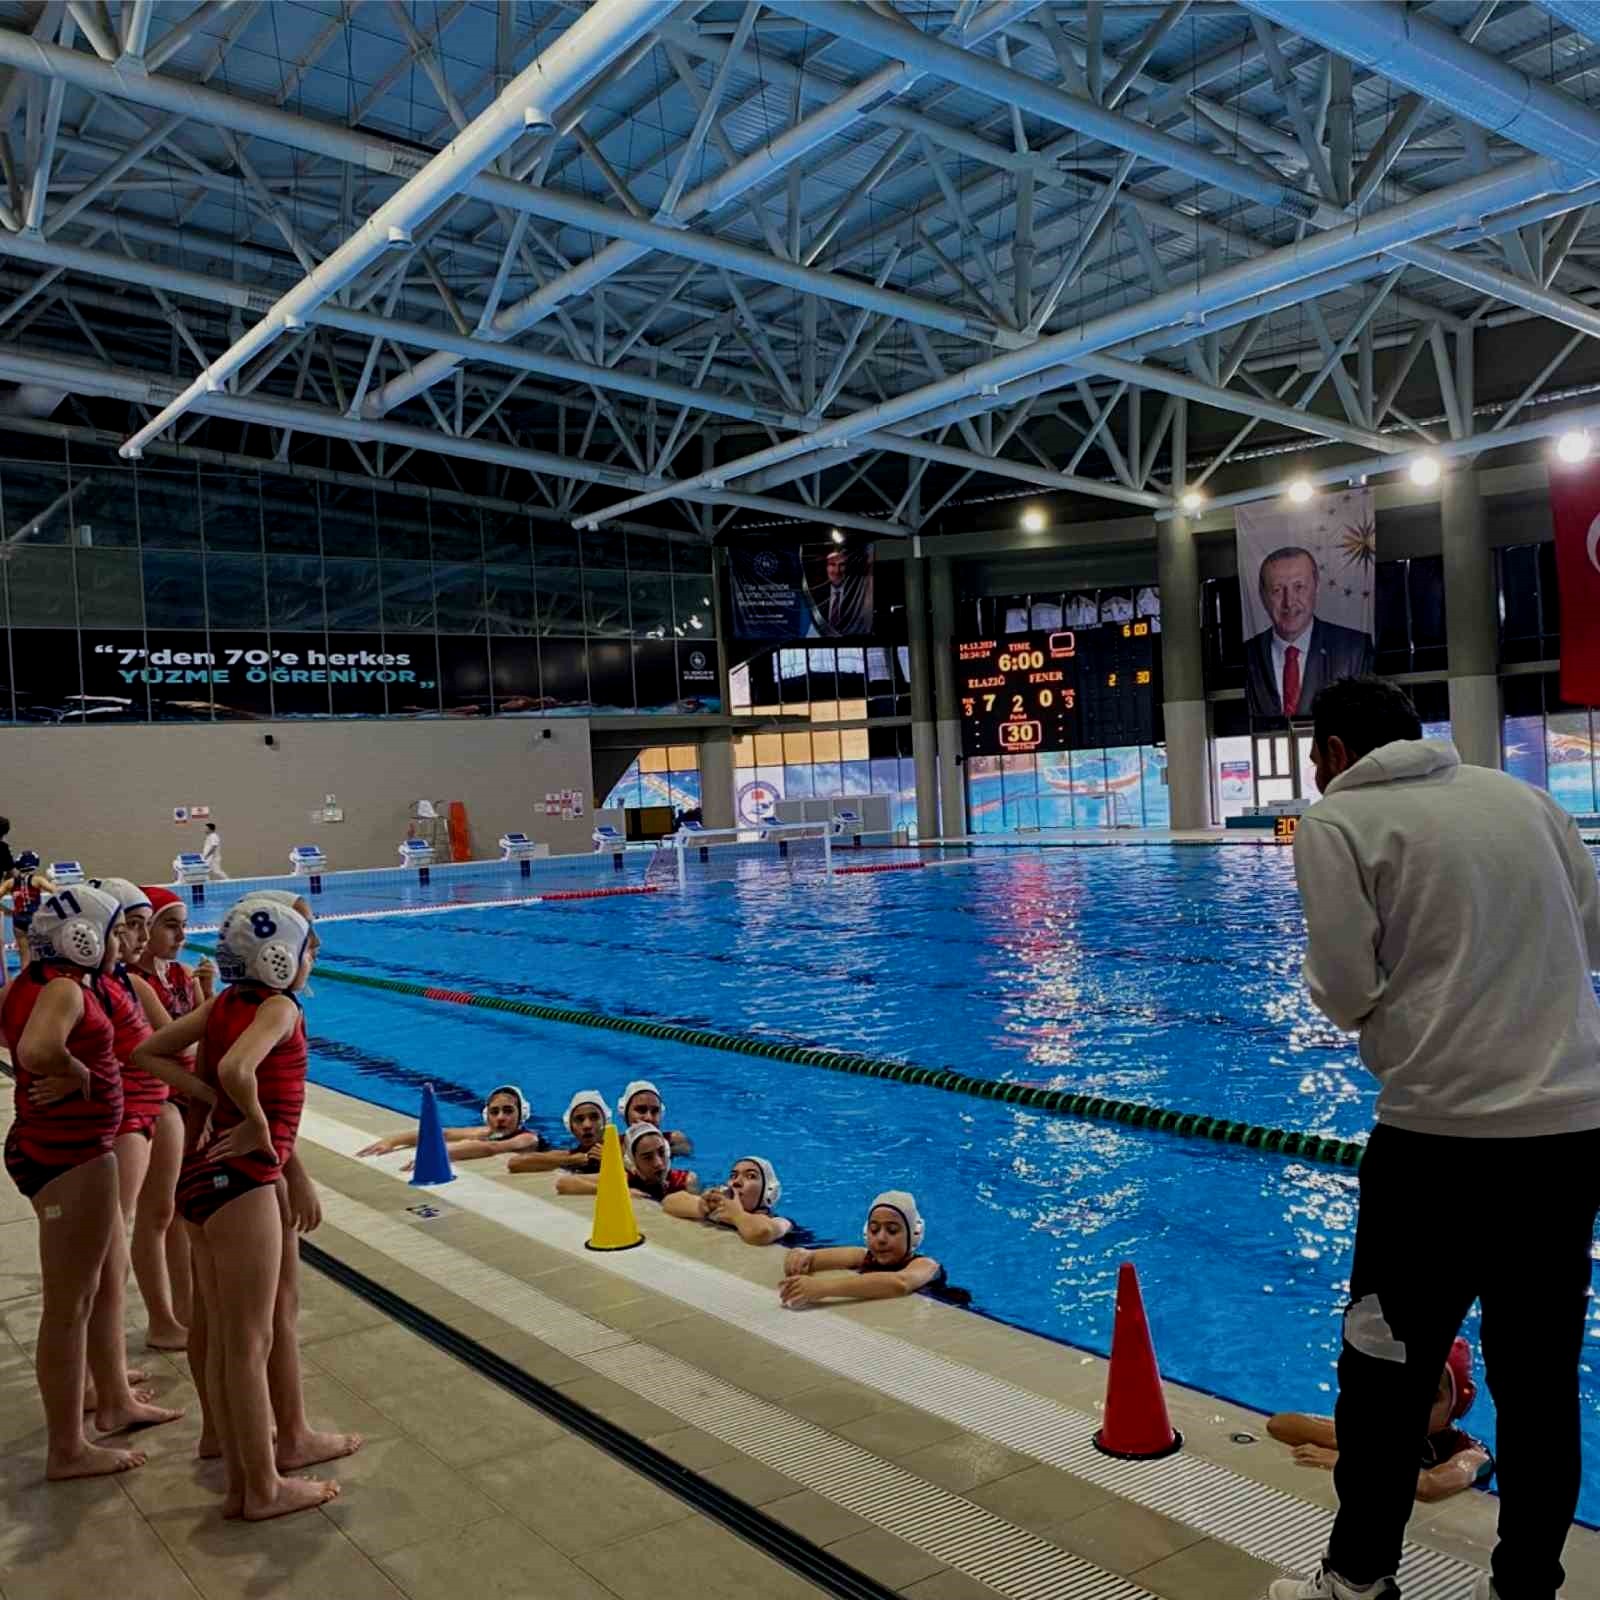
x: 7, y: 861
x: 211, y: 851
x: 1453, y: 919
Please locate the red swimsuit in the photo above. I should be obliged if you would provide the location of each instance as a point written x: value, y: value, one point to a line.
x: 143, y: 1096
x: 206, y: 1186
x: 178, y: 990
x: 46, y: 1141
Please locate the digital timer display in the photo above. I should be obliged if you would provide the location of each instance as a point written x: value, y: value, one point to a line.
x: 1061, y: 689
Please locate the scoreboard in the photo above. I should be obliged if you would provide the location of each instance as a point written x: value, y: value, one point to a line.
x: 1060, y: 689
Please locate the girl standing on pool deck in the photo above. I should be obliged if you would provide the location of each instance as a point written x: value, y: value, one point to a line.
x: 504, y: 1129
x: 176, y: 987
x: 229, y: 1192
x: 586, y: 1119
x: 58, y: 1152
x: 745, y: 1204
x: 885, y: 1268
x: 149, y: 1145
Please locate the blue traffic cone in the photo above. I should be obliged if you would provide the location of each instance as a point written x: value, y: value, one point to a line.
x: 432, y: 1165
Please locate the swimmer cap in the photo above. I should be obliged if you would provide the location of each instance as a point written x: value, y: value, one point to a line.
x: 638, y: 1131
x: 771, y: 1188
x: 1463, y: 1390
x: 262, y: 941
x: 127, y: 895
x: 638, y: 1086
x: 523, y: 1108
x: 905, y: 1203
x: 27, y: 861
x: 74, y: 925
x: 161, y: 901
x: 585, y: 1097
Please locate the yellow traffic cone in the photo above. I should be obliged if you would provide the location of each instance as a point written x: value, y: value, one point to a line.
x: 614, y: 1225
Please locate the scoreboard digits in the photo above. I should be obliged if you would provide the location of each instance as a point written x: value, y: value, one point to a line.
x: 1062, y: 689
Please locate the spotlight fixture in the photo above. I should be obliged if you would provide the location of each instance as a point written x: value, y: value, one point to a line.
x: 1033, y: 520
x: 1192, y: 500
x: 836, y: 535
x: 1301, y: 491
x: 1573, y: 446
x: 1425, y: 470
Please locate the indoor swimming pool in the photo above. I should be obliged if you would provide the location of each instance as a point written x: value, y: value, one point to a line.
x: 1160, y: 974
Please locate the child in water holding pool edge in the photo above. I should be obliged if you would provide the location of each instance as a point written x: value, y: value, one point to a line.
x: 886, y: 1267
x: 586, y: 1119
x: 744, y: 1203
x: 503, y: 1131
x: 647, y: 1152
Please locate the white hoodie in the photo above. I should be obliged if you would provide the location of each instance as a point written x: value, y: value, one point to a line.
x: 1454, y: 919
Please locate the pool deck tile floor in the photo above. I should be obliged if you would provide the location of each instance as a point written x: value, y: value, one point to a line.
x: 460, y: 1486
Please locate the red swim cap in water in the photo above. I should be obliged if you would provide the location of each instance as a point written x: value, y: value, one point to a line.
x: 1463, y: 1390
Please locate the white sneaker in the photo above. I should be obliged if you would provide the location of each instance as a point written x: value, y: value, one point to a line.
x: 1326, y: 1586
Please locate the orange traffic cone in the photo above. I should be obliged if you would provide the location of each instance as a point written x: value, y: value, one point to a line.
x: 1136, y: 1427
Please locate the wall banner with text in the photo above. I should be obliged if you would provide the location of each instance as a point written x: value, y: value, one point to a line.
x: 795, y: 591
x: 1307, y: 594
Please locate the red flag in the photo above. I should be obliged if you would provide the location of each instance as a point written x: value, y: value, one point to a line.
x: 1575, y: 505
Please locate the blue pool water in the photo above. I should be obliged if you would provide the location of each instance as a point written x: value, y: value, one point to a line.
x: 1162, y: 974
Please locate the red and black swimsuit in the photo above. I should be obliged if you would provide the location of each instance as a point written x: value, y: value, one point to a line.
x: 206, y: 1186
x: 143, y: 1096
x: 178, y: 989
x: 671, y: 1182
x: 46, y: 1141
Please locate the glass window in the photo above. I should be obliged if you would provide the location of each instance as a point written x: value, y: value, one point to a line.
x: 458, y: 594
x: 457, y: 532
x: 349, y: 527
x: 604, y: 547
x: 560, y: 592
x: 695, y: 615
x: 289, y: 517
x: 174, y: 589
x: 1393, y: 621
x: 853, y: 744
x: 554, y: 545
x: 651, y: 596
x: 236, y: 592
x: 605, y: 600
x: 105, y: 507
x: 797, y: 782
x: 294, y: 593
x: 1569, y: 755
x: 110, y: 593
x: 1425, y: 592
x: 649, y: 552
x: 505, y: 538
x: 37, y: 503
x: 402, y: 528
x: 169, y: 509
x: 509, y: 599
x: 353, y: 595
x: 40, y: 581
x: 230, y: 508
x: 625, y: 791
x: 1523, y: 745
x: 691, y: 556
x: 744, y: 750
x: 825, y: 744
x: 796, y: 749
x: 739, y: 688
x: 407, y: 596
x: 1519, y: 603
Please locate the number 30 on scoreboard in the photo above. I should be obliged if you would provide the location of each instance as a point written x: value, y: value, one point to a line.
x: 1020, y: 735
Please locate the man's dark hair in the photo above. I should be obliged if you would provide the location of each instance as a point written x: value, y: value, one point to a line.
x: 1364, y: 713
x: 5, y: 826
x: 1286, y: 552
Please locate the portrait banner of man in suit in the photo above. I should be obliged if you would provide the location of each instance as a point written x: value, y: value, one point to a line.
x: 1306, y: 587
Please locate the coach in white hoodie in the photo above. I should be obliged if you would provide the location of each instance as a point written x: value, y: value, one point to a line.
x: 1454, y: 919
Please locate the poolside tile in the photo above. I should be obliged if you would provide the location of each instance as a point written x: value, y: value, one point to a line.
x: 1042, y: 1499
x: 691, y: 1448
x: 537, y: 1359
x: 395, y: 1493
x: 574, y: 1497
x: 752, y: 1482
x: 1125, y: 1538
x: 501, y: 1567
x: 896, y: 1430
x: 953, y: 1585
x: 836, y: 1402
x: 881, y: 1555
x: 464, y: 1420
x: 67, y: 1562
x: 380, y: 1360
x: 621, y: 1406
x: 815, y: 1518
x: 695, y: 1558
x: 1205, y: 1570
x: 964, y: 1462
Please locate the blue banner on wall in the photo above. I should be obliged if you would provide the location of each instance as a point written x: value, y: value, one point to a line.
x: 793, y: 591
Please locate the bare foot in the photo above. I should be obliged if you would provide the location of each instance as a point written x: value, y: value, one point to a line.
x: 91, y: 1401
x: 173, y: 1338
x: 92, y: 1461
x: 311, y: 1448
x: 232, y: 1506
x: 208, y: 1449
x: 138, y: 1413
x: 294, y: 1494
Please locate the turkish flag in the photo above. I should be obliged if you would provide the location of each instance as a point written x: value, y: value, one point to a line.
x: 1575, y: 504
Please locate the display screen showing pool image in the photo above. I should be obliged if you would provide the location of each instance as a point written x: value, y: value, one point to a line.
x: 1158, y: 974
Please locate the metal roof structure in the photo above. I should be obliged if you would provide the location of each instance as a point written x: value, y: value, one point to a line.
x: 712, y: 265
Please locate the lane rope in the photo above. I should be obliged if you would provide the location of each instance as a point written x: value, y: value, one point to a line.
x: 1055, y: 1102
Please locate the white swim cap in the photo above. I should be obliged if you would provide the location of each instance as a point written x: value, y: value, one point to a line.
x: 75, y: 924
x: 903, y: 1201
x: 638, y: 1131
x: 523, y: 1108
x: 262, y: 941
x: 129, y: 896
x: 638, y: 1086
x: 585, y: 1097
x: 771, y: 1188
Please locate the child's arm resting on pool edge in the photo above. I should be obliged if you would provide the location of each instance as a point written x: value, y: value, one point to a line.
x: 845, y: 1285
x: 1460, y: 1472
x: 391, y: 1142
x: 554, y: 1161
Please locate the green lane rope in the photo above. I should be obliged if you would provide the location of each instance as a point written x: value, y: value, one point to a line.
x: 1057, y: 1102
